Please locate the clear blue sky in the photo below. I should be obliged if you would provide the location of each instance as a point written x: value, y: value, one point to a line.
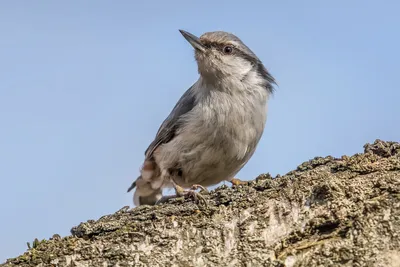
x: 84, y: 86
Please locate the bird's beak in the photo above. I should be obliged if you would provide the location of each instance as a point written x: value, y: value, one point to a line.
x: 193, y: 40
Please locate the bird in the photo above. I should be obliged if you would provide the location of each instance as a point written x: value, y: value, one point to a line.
x: 214, y: 128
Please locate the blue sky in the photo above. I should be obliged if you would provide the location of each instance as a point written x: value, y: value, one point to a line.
x: 84, y: 86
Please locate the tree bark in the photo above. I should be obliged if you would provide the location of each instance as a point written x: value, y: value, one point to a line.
x: 328, y: 212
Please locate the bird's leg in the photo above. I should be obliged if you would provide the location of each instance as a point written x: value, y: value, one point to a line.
x: 180, y: 192
x: 236, y: 181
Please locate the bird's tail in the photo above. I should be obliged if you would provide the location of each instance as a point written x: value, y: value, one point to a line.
x: 145, y: 194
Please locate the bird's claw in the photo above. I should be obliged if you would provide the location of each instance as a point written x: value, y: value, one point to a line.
x: 197, y: 186
x: 198, y: 197
x: 180, y: 192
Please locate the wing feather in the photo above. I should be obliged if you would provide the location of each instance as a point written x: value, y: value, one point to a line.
x: 173, y: 122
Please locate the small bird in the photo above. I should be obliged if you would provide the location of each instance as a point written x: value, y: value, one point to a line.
x: 214, y: 128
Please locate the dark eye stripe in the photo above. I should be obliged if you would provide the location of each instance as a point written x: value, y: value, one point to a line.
x: 236, y: 51
x: 216, y: 45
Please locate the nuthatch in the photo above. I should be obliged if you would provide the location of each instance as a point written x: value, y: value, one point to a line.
x: 216, y: 125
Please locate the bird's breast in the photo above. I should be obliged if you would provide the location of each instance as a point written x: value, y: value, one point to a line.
x: 234, y: 119
x: 226, y: 126
x: 217, y: 137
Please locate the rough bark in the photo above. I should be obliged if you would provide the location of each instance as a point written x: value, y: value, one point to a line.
x: 328, y: 212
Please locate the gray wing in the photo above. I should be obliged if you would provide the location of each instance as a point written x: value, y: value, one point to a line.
x: 172, y: 123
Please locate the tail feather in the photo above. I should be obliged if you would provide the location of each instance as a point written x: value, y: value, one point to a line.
x: 145, y: 194
x: 147, y: 200
x: 148, y: 185
x: 132, y: 187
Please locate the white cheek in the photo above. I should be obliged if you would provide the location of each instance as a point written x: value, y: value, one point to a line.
x: 253, y: 78
x: 237, y: 66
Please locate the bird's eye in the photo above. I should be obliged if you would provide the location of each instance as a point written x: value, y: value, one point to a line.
x: 228, y: 49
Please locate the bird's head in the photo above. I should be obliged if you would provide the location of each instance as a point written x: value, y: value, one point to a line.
x: 221, y: 56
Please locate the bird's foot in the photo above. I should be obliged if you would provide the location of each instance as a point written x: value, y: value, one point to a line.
x: 197, y: 196
x: 182, y: 193
x: 236, y: 182
x: 203, y: 189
